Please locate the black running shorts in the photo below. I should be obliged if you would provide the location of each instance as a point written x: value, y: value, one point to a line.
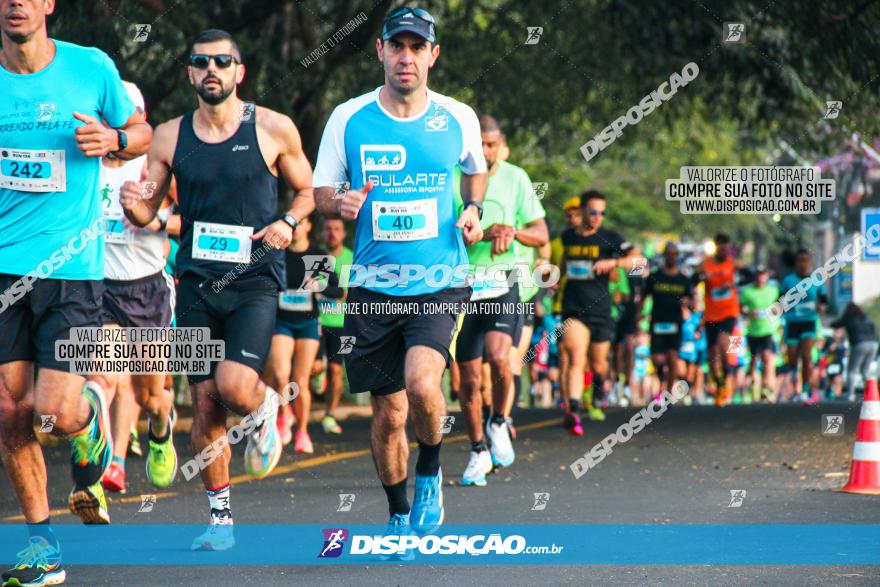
x: 488, y: 316
x: 34, y: 314
x: 144, y: 302
x: 242, y: 314
x: 376, y: 343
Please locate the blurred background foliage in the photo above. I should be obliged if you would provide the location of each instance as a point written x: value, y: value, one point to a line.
x: 595, y: 60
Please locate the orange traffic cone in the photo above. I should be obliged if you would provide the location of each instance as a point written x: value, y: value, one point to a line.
x: 864, y: 475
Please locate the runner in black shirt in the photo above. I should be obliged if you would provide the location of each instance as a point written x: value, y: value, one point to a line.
x: 672, y: 292
x: 590, y: 253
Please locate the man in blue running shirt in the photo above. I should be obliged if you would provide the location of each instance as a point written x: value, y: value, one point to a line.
x: 63, y: 107
x: 397, y: 147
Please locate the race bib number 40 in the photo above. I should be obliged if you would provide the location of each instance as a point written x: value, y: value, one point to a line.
x: 32, y: 170
x: 222, y: 242
x: 405, y: 221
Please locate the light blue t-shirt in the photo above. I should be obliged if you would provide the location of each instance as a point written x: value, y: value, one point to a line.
x: 409, y: 216
x: 56, y: 231
x: 805, y: 310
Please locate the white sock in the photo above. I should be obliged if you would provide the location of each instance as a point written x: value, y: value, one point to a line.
x: 219, y: 498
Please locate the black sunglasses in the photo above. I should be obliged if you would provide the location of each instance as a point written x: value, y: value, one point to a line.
x: 597, y: 212
x: 203, y: 61
x: 419, y: 12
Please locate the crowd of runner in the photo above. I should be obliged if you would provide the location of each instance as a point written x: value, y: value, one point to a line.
x: 576, y: 318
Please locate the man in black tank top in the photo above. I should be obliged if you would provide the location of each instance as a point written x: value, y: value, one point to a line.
x: 226, y: 157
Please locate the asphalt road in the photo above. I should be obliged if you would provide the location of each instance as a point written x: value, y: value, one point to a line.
x: 679, y: 470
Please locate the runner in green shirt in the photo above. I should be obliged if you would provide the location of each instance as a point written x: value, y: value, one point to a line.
x: 511, y: 214
x: 332, y: 319
x: 756, y: 300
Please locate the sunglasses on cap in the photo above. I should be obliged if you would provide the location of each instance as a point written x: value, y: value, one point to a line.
x: 200, y: 61
x: 418, y: 12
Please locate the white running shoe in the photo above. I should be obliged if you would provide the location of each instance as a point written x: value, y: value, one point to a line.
x: 479, y: 465
x: 499, y: 440
x: 264, y: 444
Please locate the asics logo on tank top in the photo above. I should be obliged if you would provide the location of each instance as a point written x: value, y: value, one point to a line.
x: 240, y: 148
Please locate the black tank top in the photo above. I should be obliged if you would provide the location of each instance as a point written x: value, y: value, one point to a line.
x: 226, y: 183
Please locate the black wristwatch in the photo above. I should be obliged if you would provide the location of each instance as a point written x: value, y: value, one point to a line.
x: 290, y: 220
x: 123, y: 140
x: 472, y: 203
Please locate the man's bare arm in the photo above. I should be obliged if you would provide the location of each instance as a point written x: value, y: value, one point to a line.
x: 293, y: 165
x: 473, y: 187
x: 140, y: 206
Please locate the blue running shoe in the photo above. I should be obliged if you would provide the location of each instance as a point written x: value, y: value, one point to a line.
x: 39, y: 564
x: 398, y: 525
x: 427, y: 510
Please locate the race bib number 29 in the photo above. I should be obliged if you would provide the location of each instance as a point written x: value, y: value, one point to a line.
x: 28, y: 170
x: 405, y: 221
x: 221, y: 242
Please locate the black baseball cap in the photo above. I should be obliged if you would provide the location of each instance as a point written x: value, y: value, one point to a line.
x: 410, y: 20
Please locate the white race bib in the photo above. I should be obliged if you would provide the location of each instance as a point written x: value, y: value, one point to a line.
x: 295, y: 300
x: 222, y: 242
x: 579, y: 269
x: 28, y: 170
x: 721, y: 293
x: 487, y: 289
x: 689, y: 347
x: 665, y: 328
x: 405, y: 221
x: 115, y: 230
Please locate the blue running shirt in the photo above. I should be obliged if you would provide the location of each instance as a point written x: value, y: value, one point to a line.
x: 805, y: 310
x: 50, y: 213
x: 409, y: 216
